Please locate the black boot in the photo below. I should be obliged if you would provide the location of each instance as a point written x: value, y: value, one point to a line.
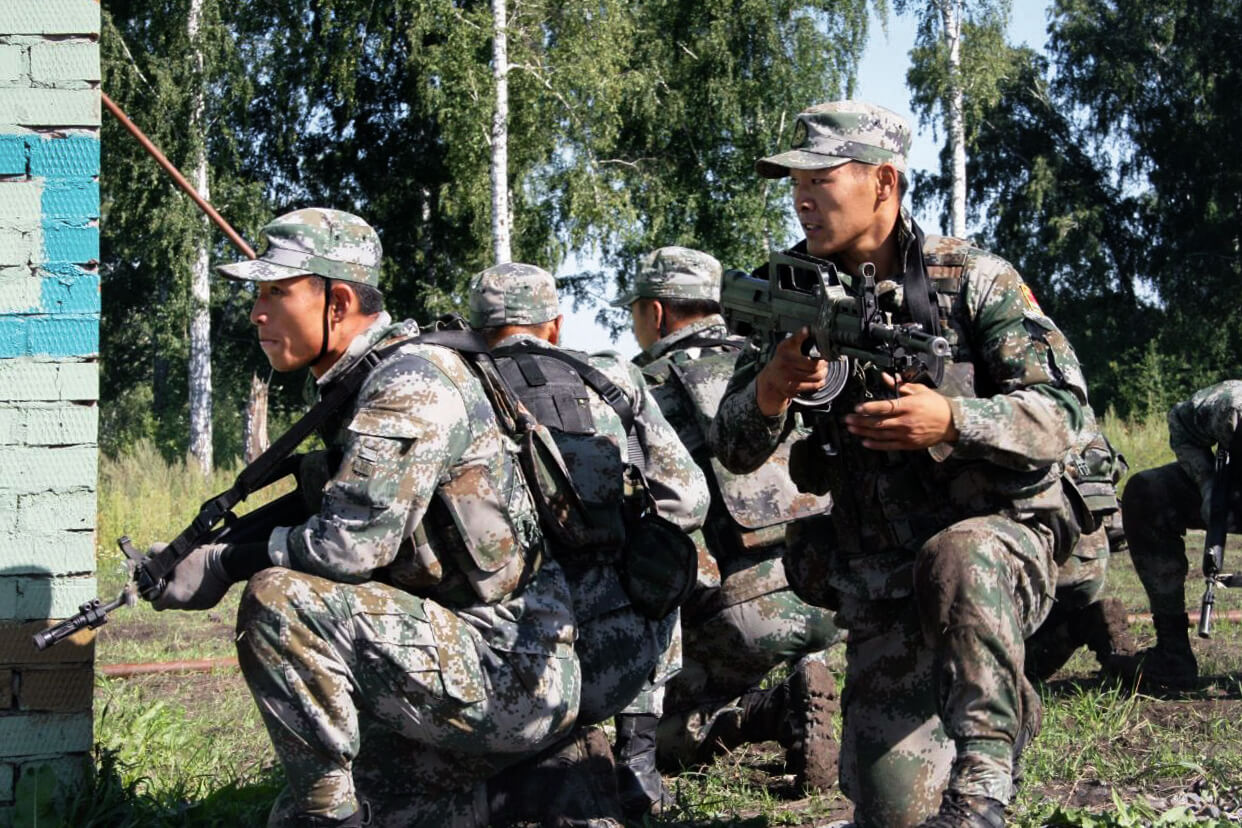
x: 961, y: 811
x: 573, y: 784
x: 1108, y: 632
x: 1170, y: 664
x: 357, y: 819
x: 1056, y: 640
x: 639, y: 784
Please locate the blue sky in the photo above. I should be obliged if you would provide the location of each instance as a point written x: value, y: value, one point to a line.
x: 882, y: 80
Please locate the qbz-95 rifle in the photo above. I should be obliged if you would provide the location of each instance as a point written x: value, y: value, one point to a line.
x: 1225, y: 493
x: 846, y: 325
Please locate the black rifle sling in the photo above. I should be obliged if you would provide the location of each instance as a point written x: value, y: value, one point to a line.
x: 598, y: 382
x: 918, y: 293
x: 268, y: 467
x: 709, y: 342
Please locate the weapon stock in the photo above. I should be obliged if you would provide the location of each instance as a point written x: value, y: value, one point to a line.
x: 803, y: 291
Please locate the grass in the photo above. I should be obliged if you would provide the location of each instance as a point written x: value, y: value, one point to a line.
x: 190, y: 749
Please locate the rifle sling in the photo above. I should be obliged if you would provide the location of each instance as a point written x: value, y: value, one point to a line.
x: 918, y: 292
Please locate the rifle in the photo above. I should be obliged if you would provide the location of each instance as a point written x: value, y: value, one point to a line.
x: 1224, y: 484
x: 846, y: 325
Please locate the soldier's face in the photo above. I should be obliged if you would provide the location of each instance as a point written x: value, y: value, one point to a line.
x: 836, y: 207
x: 288, y: 315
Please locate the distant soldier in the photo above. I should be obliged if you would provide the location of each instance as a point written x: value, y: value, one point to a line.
x: 585, y: 400
x: 1159, y: 506
x: 411, y: 637
x: 753, y: 622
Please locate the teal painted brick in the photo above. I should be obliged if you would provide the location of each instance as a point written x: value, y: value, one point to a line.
x: 35, y: 598
x: 34, y: 735
x: 78, y: 381
x: 50, y: 17
x: 71, y: 198
x: 6, y: 784
x: 26, y: 470
x: 47, y: 553
x: 13, y: 337
x: 20, y: 246
x: 22, y: 380
x: 57, y: 61
x: 70, y: 772
x: 63, y: 335
x: 12, y: 62
x: 46, y: 511
x: 69, y: 294
x: 73, y: 156
x: 49, y: 107
x: 13, y: 155
x: 70, y: 241
x: 19, y: 292
x: 61, y: 425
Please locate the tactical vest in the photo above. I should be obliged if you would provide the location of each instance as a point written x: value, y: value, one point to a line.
x: 759, y: 504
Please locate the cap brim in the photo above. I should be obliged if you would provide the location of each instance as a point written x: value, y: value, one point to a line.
x: 778, y: 166
x: 258, y: 270
x: 624, y: 300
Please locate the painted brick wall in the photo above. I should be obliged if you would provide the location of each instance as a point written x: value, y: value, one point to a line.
x: 49, y: 379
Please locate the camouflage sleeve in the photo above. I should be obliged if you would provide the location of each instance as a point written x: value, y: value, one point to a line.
x: 408, y: 427
x: 674, y: 479
x: 1040, y: 393
x: 743, y: 437
x: 1207, y: 419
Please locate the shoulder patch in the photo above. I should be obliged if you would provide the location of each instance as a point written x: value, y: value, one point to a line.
x: 1028, y: 298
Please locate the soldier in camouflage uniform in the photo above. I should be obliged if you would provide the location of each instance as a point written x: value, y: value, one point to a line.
x: 1159, y: 506
x: 948, y: 508
x: 404, y: 642
x: 733, y: 635
x: 623, y: 654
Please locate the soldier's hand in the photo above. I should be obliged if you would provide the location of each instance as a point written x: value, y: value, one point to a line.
x: 787, y: 374
x: 920, y: 417
x: 198, y: 582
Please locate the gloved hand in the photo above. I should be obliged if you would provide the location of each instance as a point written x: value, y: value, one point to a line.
x: 198, y: 582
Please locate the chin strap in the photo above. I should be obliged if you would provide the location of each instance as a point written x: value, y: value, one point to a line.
x: 327, y: 304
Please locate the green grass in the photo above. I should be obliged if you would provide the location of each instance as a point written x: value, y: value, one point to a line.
x: 190, y: 749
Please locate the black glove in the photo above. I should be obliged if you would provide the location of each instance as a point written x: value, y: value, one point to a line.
x: 198, y: 582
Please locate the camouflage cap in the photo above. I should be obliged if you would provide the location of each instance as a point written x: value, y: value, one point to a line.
x: 328, y: 243
x: 674, y: 273
x: 513, y: 294
x: 831, y: 134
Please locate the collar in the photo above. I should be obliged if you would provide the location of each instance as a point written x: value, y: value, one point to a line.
x: 382, y: 328
x: 662, y: 346
x: 513, y: 339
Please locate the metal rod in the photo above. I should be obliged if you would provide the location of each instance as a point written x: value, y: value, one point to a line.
x: 202, y: 665
x: 163, y: 161
x: 1192, y: 617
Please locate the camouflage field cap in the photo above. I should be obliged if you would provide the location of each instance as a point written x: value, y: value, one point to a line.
x: 674, y: 273
x: 834, y: 133
x: 513, y: 294
x: 328, y: 243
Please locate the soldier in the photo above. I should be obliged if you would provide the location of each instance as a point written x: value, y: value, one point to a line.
x: 736, y: 634
x: 948, y: 508
x: 403, y: 643
x: 623, y: 654
x: 1159, y: 506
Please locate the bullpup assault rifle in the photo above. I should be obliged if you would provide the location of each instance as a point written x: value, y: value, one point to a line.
x: 1225, y: 494
x: 847, y: 323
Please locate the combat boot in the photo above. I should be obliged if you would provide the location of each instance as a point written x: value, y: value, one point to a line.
x: 573, y: 784
x: 1100, y: 626
x: 962, y: 811
x: 1170, y: 664
x: 358, y: 819
x: 1107, y: 631
x: 639, y: 784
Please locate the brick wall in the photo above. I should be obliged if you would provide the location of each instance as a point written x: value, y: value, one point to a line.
x: 49, y: 380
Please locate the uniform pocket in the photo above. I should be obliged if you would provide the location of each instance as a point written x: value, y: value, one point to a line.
x: 426, y: 650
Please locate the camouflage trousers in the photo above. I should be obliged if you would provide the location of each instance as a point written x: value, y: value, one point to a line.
x: 758, y: 623
x: 1159, y: 506
x: 370, y: 693
x: 934, y: 691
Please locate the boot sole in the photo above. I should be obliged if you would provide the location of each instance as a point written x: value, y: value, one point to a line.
x: 820, y: 748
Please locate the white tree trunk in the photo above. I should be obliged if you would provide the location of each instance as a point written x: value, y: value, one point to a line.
x: 955, y: 116
x: 254, y: 422
x: 200, y: 276
x: 501, y: 216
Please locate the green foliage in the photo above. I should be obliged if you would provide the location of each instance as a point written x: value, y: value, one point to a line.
x: 38, y: 799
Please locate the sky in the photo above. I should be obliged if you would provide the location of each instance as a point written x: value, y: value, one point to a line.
x: 882, y: 80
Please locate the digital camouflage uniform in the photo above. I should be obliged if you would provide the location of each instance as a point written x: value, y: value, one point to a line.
x: 752, y: 622
x: 943, y: 559
x: 406, y: 643
x: 1160, y: 504
x: 623, y: 654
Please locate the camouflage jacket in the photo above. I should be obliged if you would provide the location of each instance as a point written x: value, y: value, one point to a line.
x: 428, y: 497
x: 1016, y: 392
x: 687, y: 375
x: 1208, y: 419
x: 673, y: 479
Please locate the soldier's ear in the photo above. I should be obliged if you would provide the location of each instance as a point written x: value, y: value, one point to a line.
x: 887, y: 182
x: 342, y: 300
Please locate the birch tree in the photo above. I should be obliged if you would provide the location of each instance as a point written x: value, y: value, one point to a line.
x: 501, y: 221
x: 200, y: 273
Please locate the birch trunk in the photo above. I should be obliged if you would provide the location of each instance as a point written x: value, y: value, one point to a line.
x: 254, y: 422
x: 955, y: 117
x: 501, y: 218
x: 200, y: 275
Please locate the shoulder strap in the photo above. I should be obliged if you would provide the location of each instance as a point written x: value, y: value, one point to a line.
x: 918, y: 292
x: 709, y: 342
